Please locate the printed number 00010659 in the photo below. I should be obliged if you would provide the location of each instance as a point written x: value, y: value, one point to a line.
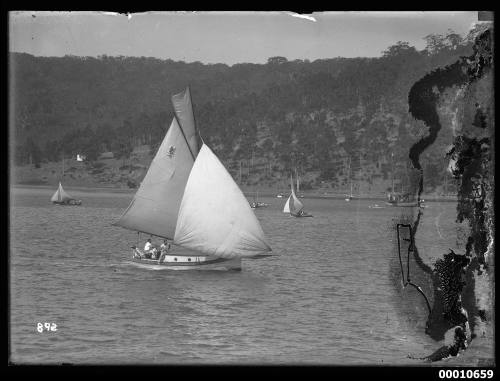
x: 469, y: 373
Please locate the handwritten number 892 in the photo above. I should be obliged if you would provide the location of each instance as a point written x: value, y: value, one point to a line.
x: 49, y: 327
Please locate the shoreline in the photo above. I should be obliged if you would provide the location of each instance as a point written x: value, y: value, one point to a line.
x: 247, y: 193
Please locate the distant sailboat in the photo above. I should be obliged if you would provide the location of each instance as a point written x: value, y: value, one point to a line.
x: 401, y: 199
x: 256, y: 204
x: 349, y: 196
x: 61, y: 197
x: 189, y: 197
x: 293, y: 205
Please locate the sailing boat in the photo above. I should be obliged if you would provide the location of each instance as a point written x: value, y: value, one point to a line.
x: 293, y: 205
x: 349, y: 196
x: 402, y: 199
x: 187, y: 196
x: 256, y: 204
x: 61, y: 197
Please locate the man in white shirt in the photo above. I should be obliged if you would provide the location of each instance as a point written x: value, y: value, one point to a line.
x: 148, y: 248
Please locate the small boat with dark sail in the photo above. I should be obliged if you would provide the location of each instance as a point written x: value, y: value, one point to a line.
x: 61, y: 197
x: 189, y: 198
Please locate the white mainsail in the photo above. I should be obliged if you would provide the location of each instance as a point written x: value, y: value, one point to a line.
x: 295, y: 204
x: 215, y: 217
x: 60, y: 195
x: 155, y: 206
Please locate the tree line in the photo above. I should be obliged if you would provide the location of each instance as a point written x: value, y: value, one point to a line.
x: 293, y: 113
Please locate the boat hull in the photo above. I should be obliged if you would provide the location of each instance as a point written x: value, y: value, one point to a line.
x: 78, y: 203
x: 259, y: 206
x: 176, y: 262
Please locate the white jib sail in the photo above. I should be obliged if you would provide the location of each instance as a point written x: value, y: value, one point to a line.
x: 286, y: 209
x: 215, y: 217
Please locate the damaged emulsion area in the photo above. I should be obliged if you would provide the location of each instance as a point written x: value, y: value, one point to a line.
x: 455, y: 302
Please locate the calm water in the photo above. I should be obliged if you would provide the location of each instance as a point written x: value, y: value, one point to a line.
x: 331, y: 296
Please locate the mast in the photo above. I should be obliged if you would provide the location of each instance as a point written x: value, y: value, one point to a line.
x: 297, y: 178
x: 392, y: 171
x: 350, y: 180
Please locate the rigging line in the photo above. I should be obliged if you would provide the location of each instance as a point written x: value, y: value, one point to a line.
x: 201, y: 138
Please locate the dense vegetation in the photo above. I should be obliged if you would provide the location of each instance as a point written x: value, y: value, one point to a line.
x: 314, y: 116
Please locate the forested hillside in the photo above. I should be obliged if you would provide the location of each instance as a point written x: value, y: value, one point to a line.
x: 263, y: 120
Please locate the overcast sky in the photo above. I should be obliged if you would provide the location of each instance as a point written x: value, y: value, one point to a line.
x: 230, y: 37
